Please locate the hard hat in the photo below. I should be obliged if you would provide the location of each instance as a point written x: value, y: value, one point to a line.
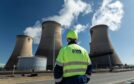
x: 72, y: 34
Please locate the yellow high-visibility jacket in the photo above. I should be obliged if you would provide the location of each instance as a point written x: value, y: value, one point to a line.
x: 74, y: 60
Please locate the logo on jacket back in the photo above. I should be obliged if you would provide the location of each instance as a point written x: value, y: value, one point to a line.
x: 76, y: 51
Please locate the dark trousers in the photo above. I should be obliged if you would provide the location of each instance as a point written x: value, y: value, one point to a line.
x: 75, y: 80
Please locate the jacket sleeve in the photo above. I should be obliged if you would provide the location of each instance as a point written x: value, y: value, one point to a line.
x: 89, y: 71
x: 58, y: 70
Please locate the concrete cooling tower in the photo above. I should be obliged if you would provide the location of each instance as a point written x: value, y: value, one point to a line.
x: 102, y: 52
x: 23, y: 48
x: 50, y: 42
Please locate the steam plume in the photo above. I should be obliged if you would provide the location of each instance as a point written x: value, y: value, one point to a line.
x: 110, y: 13
x: 70, y: 12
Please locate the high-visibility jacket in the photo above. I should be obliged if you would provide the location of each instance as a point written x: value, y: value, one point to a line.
x: 74, y: 61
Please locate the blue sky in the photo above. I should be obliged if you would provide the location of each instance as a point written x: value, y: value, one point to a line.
x: 17, y: 15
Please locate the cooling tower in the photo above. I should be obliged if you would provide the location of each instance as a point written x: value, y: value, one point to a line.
x: 22, y: 48
x: 50, y: 42
x: 101, y: 50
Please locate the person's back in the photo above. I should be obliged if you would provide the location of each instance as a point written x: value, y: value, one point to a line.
x: 73, y: 65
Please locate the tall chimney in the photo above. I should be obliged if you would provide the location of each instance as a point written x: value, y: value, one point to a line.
x: 50, y: 42
x: 23, y: 48
x: 101, y: 50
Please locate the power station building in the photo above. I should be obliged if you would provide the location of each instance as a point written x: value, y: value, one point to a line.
x: 31, y: 64
x: 23, y: 48
x: 102, y: 52
x: 50, y: 42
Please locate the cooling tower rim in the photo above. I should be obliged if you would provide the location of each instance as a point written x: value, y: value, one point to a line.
x: 24, y: 36
x: 100, y: 25
x: 50, y: 21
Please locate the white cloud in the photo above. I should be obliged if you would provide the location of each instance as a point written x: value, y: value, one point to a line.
x: 79, y: 27
x: 34, y: 32
x: 71, y: 10
x: 110, y: 13
x: 67, y: 15
x: 2, y: 65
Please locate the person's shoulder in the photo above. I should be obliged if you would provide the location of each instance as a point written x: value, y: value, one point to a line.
x: 83, y: 49
x: 63, y: 48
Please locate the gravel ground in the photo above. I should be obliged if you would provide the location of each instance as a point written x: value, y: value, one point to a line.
x: 8, y: 79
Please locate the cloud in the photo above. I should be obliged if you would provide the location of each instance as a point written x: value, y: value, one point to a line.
x: 2, y: 65
x: 71, y: 10
x: 110, y: 13
x: 66, y: 17
x: 34, y: 32
x: 80, y: 27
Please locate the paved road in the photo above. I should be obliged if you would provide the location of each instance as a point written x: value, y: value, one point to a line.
x: 100, y: 78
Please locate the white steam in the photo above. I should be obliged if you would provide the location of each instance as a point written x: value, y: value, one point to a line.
x: 110, y: 13
x: 79, y: 27
x: 34, y: 31
x: 71, y: 10
x: 67, y: 15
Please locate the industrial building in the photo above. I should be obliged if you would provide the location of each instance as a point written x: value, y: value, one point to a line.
x: 50, y: 42
x: 23, y: 48
x: 31, y: 64
x: 102, y: 52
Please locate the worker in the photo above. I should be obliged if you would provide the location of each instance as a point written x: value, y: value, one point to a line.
x: 73, y: 65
